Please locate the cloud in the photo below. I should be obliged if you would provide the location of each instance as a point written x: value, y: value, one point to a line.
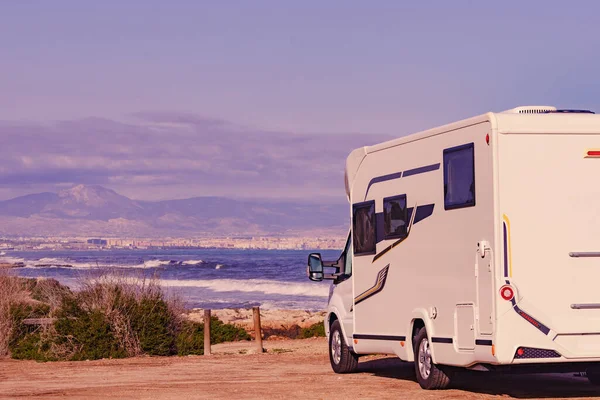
x: 162, y: 155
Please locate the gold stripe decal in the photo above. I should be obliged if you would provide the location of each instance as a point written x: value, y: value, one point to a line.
x: 378, y: 287
x: 508, y: 244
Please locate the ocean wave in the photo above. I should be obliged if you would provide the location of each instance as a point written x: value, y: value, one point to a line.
x: 65, y: 263
x: 253, y: 285
x: 12, y: 260
x: 192, y: 262
x: 49, y: 260
x: 152, y: 264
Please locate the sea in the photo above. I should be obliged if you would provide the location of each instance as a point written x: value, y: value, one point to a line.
x: 201, y: 278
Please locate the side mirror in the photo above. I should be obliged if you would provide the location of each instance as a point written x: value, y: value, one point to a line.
x: 315, y: 267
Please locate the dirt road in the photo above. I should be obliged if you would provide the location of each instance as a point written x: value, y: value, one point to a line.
x: 289, y: 370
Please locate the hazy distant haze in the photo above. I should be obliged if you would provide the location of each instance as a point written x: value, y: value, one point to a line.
x: 165, y: 156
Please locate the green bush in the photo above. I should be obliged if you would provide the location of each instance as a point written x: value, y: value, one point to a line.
x: 86, y: 334
x: 190, y: 340
x: 221, y: 332
x: 153, y: 322
x: 107, y: 319
x: 296, y: 332
x: 25, y: 341
x: 315, y: 330
x: 32, y: 346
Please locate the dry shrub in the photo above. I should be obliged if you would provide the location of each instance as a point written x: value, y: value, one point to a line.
x: 12, y: 292
x: 110, y: 316
x: 141, y: 318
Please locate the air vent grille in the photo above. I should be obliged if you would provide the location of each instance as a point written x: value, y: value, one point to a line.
x: 530, y: 110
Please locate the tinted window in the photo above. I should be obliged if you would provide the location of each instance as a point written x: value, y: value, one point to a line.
x: 348, y: 258
x: 395, y: 217
x: 459, y: 177
x: 363, y: 228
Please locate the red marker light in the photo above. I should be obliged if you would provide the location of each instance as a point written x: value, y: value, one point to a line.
x: 593, y: 153
x: 507, y: 293
x: 487, y: 138
x: 520, y: 351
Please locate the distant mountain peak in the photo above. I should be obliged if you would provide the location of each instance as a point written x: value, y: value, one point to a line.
x: 91, y: 195
x: 86, y: 190
x: 99, y: 210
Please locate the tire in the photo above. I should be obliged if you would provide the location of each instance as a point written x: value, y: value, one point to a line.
x: 429, y: 375
x: 343, y: 360
x: 593, y: 376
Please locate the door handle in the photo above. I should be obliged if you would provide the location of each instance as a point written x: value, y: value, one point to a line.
x: 482, y: 247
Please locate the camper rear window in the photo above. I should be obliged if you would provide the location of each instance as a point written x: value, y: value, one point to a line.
x: 363, y: 228
x: 395, y: 217
x: 459, y: 177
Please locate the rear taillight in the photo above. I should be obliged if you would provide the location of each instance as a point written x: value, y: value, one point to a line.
x: 592, y: 153
x: 507, y: 292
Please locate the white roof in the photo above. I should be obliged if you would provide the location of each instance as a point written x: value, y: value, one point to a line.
x: 527, y: 119
x: 516, y: 120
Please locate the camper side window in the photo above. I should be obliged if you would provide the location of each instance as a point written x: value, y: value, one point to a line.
x: 459, y: 177
x: 395, y: 217
x: 363, y: 228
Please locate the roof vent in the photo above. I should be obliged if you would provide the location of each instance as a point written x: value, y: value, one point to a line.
x: 530, y: 110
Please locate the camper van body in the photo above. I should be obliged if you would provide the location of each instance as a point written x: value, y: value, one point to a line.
x: 484, y: 232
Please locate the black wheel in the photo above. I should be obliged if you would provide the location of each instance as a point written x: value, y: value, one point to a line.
x: 593, y: 376
x: 342, y: 359
x: 429, y: 375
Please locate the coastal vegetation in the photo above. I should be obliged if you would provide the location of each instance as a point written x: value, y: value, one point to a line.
x: 107, y: 317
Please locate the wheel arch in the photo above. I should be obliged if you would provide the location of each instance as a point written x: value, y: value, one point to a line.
x: 420, y: 319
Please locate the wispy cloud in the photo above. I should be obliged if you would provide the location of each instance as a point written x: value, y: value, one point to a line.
x: 161, y: 155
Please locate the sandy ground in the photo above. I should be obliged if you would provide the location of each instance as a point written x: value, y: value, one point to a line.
x: 288, y: 370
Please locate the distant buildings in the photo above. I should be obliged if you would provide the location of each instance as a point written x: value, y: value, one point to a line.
x: 248, y: 242
x: 97, y: 242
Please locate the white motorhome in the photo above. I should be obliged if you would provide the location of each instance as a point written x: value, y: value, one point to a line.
x: 474, y: 245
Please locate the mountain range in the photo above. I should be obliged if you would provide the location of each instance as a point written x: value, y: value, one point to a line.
x: 95, y: 210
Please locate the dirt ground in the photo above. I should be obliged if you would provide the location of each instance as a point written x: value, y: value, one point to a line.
x: 289, y: 369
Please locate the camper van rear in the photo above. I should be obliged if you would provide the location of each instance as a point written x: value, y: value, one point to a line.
x: 550, y: 205
x: 474, y: 245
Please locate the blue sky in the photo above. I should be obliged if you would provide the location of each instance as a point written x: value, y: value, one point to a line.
x: 319, y: 67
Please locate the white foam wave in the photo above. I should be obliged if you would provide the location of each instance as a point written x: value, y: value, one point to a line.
x: 253, y: 285
x: 49, y: 260
x: 219, y: 266
x: 192, y: 262
x: 58, y: 263
x: 156, y: 263
x: 12, y: 260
